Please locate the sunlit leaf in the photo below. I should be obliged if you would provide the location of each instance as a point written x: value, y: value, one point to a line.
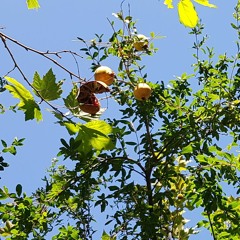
x: 47, y: 87
x: 32, y: 4
x: 100, y: 125
x: 168, y: 3
x: 11, y: 149
x: 213, y: 97
x: 105, y: 236
x: 71, y: 127
x: 3, y: 194
x: 27, y: 102
x: 94, y: 135
x: 18, y: 90
x: 187, y: 149
x: 205, y: 3
x: 187, y: 13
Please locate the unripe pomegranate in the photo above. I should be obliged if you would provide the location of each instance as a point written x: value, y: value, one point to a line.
x: 142, y: 91
x: 180, y: 196
x: 104, y: 74
x: 140, y: 42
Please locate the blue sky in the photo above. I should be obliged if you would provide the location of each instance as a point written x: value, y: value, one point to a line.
x: 54, y: 27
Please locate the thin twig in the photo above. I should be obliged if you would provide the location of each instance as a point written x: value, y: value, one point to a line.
x: 74, y: 57
x: 44, y: 54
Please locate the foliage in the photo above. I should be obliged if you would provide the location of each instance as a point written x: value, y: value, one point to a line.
x: 143, y: 170
x: 26, y: 103
x: 32, y: 4
x: 186, y: 10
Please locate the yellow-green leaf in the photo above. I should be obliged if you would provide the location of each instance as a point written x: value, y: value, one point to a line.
x: 100, y: 125
x: 27, y: 103
x: 105, y: 236
x: 18, y: 90
x: 205, y: 3
x: 187, y: 149
x: 168, y: 3
x: 94, y: 135
x: 187, y: 13
x: 71, y: 127
x: 32, y: 4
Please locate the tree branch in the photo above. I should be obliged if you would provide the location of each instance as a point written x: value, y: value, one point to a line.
x: 211, y: 225
x: 27, y: 81
x: 45, y: 54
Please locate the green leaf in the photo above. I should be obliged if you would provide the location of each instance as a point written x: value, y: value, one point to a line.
x: 100, y: 125
x: 3, y: 194
x: 187, y: 13
x: 71, y: 101
x: 10, y: 149
x: 105, y: 236
x: 18, y: 90
x: 31, y: 110
x: 27, y: 103
x: 19, y: 189
x: 187, y: 149
x: 32, y: 4
x: 47, y: 87
x: 94, y: 135
x: 4, y: 143
x: 71, y: 127
x: 18, y: 142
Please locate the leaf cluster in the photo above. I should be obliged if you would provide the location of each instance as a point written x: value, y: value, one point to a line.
x: 146, y: 167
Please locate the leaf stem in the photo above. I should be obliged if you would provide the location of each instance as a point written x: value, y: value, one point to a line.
x: 211, y: 225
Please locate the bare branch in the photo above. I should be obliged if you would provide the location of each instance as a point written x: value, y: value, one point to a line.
x: 45, y: 54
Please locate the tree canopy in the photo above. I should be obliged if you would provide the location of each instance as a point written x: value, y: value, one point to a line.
x: 173, y: 148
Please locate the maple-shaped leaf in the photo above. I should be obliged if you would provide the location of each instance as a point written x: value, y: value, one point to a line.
x: 27, y: 103
x: 187, y: 13
x: 32, y: 4
x: 71, y: 101
x: 47, y: 87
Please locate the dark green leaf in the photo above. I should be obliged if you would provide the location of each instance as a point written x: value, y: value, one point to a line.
x: 4, y: 143
x: 46, y: 87
x: 19, y: 190
x: 71, y: 101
